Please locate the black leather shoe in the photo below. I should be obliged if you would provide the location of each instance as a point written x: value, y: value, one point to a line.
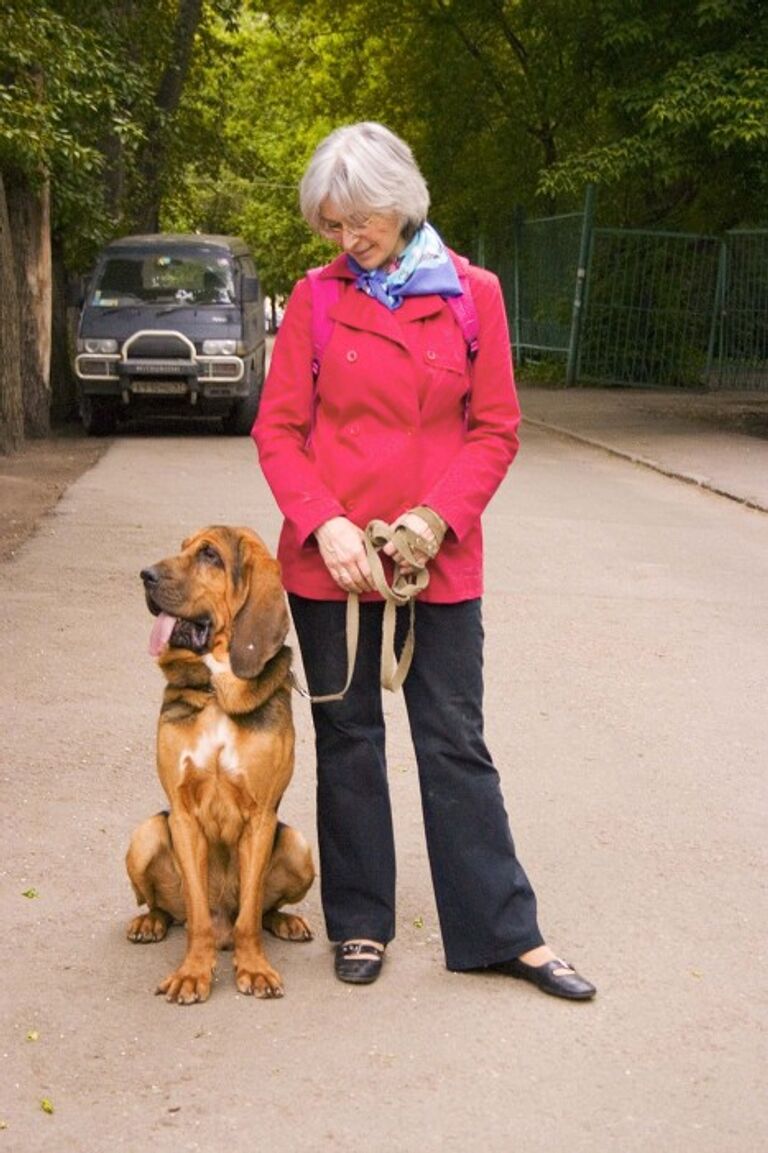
x: 555, y: 977
x: 358, y: 962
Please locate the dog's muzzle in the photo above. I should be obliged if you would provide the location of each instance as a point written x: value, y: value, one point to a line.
x: 170, y: 631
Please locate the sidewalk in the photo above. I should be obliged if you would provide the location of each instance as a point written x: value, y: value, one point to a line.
x: 716, y: 440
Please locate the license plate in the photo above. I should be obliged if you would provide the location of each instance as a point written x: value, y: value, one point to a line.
x: 160, y: 387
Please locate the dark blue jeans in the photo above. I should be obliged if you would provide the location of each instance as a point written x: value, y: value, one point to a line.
x: 485, y: 903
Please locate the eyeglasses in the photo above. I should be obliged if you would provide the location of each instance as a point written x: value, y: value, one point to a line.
x: 356, y: 226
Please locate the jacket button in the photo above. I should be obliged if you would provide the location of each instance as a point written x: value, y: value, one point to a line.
x: 431, y: 354
x: 352, y: 356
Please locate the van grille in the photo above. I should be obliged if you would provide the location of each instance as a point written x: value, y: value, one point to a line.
x: 165, y: 346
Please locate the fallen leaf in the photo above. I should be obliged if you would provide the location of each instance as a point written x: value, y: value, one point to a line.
x: 418, y: 922
x: 31, y: 893
x: 33, y: 1035
x: 46, y: 1105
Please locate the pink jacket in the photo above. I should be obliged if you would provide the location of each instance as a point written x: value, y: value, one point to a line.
x: 385, y: 426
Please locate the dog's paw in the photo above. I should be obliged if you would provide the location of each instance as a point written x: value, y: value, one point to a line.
x: 149, y: 927
x: 187, y: 985
x: 287, y: 926
x: 258, y: 980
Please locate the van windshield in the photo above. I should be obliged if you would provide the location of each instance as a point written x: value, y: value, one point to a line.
x: 179, y: 278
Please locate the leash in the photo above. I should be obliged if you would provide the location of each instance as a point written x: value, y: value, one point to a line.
x: 403, y: 590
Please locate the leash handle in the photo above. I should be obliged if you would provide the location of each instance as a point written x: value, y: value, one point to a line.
x: 403, y: 591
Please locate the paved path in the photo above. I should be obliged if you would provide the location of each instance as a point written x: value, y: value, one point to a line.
x: 626, y: 657
x: 701, y: 438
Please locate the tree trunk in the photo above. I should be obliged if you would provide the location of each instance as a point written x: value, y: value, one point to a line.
x: 143, y: 211
x: 64, y: 328
x: 11, y: 404
x: 29, y: 212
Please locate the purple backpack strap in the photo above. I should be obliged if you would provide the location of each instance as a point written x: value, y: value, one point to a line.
x: 463, y: 308
x: 324, y: 292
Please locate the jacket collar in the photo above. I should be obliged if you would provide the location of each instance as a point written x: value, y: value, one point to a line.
x: 338, y: 268
x: 356, y: 310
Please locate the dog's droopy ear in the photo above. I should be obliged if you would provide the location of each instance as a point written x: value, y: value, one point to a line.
x: 261, y: 626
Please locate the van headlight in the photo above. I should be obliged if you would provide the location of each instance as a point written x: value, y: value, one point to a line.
x: 219, y: 347
x: 100, y: 347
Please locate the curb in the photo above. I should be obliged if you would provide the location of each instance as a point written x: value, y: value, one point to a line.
x: 645, y: 462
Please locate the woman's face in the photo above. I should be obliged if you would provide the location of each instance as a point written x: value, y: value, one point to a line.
x: 374, y: 241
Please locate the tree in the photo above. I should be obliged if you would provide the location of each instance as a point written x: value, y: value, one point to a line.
x: 505, y: 102
x: 682, y: 135
x: 82, y: 141
x: 482, y: 90
x: 11, y: 405
x: 57, y: 81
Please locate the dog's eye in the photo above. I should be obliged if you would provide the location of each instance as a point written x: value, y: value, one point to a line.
x: 208, y: 555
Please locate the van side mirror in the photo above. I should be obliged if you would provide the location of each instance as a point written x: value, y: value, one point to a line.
x: 251, y: 290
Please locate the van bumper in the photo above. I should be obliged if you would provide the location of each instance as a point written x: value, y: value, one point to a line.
x: 204, y: 378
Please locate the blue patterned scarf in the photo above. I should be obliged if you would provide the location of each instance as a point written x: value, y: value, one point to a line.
x: 423, y: 268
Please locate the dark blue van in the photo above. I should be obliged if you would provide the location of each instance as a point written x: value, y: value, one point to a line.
x: 173, y: 324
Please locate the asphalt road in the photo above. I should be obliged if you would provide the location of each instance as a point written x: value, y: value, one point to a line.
x: 626, y: 708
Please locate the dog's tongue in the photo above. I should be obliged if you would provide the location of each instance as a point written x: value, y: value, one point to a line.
x: 161, y: 633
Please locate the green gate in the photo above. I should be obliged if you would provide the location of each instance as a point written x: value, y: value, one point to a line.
x: 640, y: 307
x: 650, y: 302
x: 545, y: 271
x: 742, y: 329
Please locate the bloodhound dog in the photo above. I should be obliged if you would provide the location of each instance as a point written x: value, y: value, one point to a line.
x: 220, y: 859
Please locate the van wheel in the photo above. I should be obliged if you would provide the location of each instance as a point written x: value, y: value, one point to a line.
x: 99, y: 416
x: 239, y: 420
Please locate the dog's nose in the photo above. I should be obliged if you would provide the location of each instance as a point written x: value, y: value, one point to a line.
x: 150, y: 576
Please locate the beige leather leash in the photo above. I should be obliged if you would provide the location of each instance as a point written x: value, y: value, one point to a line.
x: 404, y: 589
x: 353, y: 633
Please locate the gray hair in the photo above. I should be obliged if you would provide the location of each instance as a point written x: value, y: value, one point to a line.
x: 364, y: 168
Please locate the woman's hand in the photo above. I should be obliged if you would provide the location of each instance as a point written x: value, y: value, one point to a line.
x: 413, y: 521
x: 342, y: 548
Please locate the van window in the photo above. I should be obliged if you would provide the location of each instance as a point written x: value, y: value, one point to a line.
x: 163, y: 278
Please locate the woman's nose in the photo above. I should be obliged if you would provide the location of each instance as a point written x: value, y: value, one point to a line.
x: 348, y: 239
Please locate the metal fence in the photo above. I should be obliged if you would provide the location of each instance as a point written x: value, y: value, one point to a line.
x: 640, y: 307
x: 742, y: 330
x: 546, y: 264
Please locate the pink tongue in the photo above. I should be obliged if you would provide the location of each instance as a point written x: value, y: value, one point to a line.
x: 161, y: 633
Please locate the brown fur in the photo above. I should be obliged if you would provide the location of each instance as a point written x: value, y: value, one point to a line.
x: 220, y: 860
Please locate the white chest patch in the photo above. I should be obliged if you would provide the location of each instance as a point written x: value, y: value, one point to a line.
x: 209, y: 660
x: 216, y: 750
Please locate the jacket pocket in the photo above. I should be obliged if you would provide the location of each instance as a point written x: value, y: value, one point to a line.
x: 444, y: 360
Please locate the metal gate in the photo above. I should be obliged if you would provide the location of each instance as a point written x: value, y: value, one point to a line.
x: 640, y: 307
x: 742, y: 324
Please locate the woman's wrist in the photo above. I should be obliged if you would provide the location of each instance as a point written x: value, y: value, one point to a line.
x: 326, y: 529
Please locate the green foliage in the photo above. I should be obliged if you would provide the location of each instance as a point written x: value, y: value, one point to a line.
x: 53, y: 73
x: 683, y: 92
x: 478, y: 107
x: 665, y: 107
x: 65, y: 90
x: 260, y: 100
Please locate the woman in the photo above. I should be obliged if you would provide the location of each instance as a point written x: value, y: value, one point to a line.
x: 398, y: 422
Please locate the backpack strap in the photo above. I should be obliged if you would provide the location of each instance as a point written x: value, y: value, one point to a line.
x: 463, y: 308
x: 324, y: 292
